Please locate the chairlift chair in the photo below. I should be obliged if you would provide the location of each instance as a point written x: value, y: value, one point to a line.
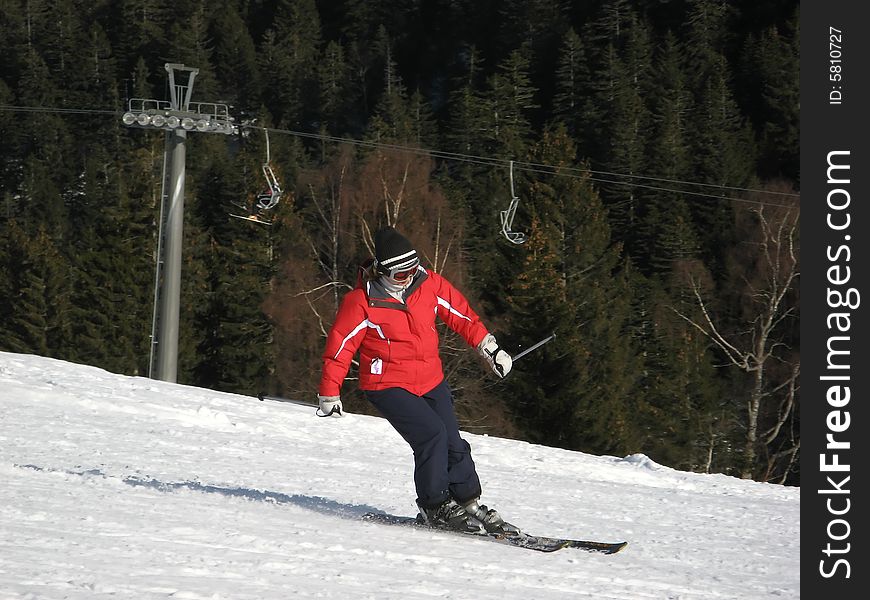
x: 267, y: 199
x: 507, y: 216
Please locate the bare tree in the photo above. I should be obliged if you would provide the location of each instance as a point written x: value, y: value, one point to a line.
x: 768, y: 268
x: 325, y: 246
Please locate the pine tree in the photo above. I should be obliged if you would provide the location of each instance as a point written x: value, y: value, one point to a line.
x: 232, y: 336
x: 500, y: 116
x: 392, y: 120
x: 423, y: 126
x: 539, y: 305
x: 334, y: 78
x: 138, y: 30
x: 667, y: 231
x: 238, y: 76
x: 462, y: 133
x: 580, y: 395
x: 293, y: 52
x: 707, y: 25
x: 40, y: 200
x: 112, y: 273
x: 626, y: 127
x: 773, y: 62
x: 15, y: 31
x: 571, y: 101
x: 723, y: 151
x: 680, y: 390
x: 101, y: 68
x: 36, y: 294
x: 11, y: 159
x: 189, y: 43
x: 510, y: 102
x: 536, y: 23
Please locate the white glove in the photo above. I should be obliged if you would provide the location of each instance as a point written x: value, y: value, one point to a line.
x: 330, y: 406
x: 500, y: 361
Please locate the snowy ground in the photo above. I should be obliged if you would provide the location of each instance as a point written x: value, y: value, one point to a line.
x: 132, y: 488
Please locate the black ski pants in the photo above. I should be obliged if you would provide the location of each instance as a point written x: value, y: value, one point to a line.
x: 443, y: 466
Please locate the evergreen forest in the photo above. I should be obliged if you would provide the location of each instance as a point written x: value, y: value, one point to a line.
x: 652, y: 147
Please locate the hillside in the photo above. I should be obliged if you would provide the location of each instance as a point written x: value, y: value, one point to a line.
x: 124, y: 486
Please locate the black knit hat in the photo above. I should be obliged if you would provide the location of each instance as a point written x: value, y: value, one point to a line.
x: 393, y: 251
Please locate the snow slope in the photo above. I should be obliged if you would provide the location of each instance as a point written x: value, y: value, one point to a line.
x: 133, y: 488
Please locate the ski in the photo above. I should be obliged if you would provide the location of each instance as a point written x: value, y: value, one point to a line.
x: 252, y: 218
x: 519, y: 540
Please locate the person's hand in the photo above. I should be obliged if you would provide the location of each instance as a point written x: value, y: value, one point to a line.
x: 500, y: 361
x: 330, y: 406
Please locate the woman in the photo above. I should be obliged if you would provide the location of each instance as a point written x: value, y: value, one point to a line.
x: 390, y: 319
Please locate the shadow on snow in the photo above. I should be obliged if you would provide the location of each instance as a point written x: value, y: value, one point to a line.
x: 314, y: 503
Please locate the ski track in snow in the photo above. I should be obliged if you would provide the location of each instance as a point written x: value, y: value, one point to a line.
x: 133, y: 488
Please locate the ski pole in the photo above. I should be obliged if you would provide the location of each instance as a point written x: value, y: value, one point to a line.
x: 538, y: 345
x: 263, y: 396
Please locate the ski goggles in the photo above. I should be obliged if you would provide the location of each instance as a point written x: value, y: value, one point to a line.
x: 400, y: 273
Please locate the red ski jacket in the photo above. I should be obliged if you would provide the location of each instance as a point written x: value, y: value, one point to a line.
x: 397, y: 342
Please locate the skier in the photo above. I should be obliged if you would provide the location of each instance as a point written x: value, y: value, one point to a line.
x: 264, y: 200
x: 390, y: 319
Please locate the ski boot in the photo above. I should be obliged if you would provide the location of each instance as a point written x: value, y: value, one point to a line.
x: 489, y: 517
x: 453, y: 516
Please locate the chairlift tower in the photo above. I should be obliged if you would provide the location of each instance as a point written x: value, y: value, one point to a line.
x: 176, y: 117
